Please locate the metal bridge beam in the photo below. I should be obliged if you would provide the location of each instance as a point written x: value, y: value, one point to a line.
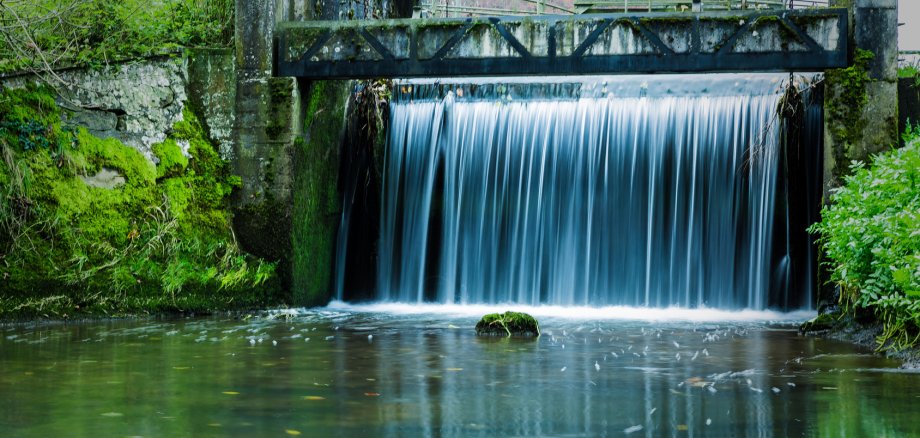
x: 799, y: 40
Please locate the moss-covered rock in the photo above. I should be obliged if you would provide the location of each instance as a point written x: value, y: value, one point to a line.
x: 508, y: 324
x: 159, y: 240
x: 821, y: 323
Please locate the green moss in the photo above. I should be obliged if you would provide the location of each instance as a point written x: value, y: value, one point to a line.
x: 844, y: 106
x: 665, y: 21
x: 736, y: 19
x: 803, y: 21
x: 316, y: 206
x: 198, y: 194
x: 630, y: 24
x: 172, y: 161
x: 160, y: 241
x: 92, y: 154
x: 279, y: 121
x: 820, y: 323
x: 508, y: 324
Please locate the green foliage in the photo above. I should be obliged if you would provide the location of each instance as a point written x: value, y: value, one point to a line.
x: 911, y: 70
x: 45, y: 34
x: 871, y: 235
x: 158, y: 241
x: 201, y: 23
x: 911, y: 131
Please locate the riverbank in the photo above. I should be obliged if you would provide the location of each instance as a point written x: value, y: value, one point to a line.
x: 864, y: 331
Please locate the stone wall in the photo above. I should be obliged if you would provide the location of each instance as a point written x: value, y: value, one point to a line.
x: 135, y: 102
x: 138, y: 102
x: 212, y: 94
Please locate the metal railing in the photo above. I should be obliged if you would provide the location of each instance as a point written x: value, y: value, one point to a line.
x: 595, y: 6
x: 468, y: 8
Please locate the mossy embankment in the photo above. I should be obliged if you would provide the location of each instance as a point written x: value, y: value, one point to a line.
x: 89, y: 226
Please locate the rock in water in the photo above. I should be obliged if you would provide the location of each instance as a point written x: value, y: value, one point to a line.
x: 508, y: 324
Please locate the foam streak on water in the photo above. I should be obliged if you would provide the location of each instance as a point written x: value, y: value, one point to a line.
x: 609, y: 313
x: 614, y: 194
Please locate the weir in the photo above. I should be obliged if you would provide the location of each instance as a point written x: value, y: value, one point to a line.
x: 286, y: 51
x: 592, y: 191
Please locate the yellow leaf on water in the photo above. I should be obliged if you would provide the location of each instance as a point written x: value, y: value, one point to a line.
x: 682, y: 427
x: 292, y: 432
x: 314, y: 397
x: 231, y: 393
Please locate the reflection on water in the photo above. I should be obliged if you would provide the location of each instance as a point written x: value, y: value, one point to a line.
x: 343, y: 373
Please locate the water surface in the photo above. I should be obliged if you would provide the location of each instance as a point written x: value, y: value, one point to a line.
x: 349, y: 371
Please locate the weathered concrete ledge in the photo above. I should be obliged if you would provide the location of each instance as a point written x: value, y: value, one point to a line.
x: 797, y: 40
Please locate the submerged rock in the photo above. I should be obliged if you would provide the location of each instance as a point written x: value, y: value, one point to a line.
x: 508, y: 324
x: 821, y: 323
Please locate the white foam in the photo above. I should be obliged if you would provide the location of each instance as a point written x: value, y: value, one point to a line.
x: 592, y: 313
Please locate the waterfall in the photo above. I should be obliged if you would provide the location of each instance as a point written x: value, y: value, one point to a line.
x: 652, y: 191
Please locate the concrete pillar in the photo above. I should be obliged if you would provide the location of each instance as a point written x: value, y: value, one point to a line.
x: 862, y: 115
x: 267, y: 110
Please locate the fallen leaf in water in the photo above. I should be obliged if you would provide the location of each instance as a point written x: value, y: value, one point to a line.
x: 682, y: 427
x: 372, y: 394
x: 292, y: 432
x: 231, y: 393
x: 314, y: 397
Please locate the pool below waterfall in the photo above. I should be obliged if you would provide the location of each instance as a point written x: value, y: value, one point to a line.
x: 421, y: 371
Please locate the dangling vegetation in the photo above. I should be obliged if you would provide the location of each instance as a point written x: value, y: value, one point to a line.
x: 871, y: 236
x: 40, y: 35
x: 89, y: 225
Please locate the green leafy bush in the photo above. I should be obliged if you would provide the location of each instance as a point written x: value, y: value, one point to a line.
x: 40, y: 35
x: 871, y: 235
